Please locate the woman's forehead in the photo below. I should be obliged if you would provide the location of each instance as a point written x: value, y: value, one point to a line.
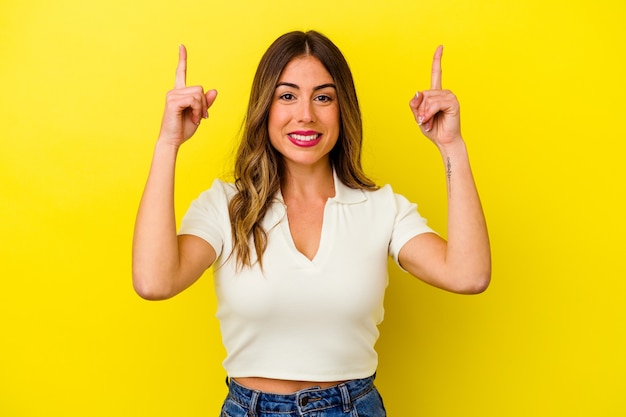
x: 306, y: 69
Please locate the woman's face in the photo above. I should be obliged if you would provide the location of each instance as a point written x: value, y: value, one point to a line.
x: 304, y: 117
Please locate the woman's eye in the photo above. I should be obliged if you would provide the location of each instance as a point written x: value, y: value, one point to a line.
x: 286, y: 96
x: 323, y: 98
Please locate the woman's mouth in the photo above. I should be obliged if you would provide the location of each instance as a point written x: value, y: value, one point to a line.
x: 305, y: 139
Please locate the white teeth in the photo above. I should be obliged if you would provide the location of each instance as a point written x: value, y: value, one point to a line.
x: 307, y: 138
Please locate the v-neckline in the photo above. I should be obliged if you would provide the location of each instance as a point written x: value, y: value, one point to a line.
x: 286, y: 232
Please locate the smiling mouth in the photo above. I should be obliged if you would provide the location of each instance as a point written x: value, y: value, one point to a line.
x: 304, y: 138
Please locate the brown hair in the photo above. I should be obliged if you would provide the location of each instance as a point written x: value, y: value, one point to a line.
x: 258, y: 165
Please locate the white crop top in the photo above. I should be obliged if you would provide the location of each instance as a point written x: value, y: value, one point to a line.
x: 301, y: 319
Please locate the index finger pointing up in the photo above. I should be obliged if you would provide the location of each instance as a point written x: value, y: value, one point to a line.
x: 435, y: 77
x: 181, y: 69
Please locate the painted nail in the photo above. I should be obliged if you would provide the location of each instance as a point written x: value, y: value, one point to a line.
x: 420, y: 120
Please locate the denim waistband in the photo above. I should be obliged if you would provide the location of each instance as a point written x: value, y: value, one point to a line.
x: 303, y: 401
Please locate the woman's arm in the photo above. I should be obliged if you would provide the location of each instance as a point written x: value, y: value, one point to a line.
x: 462, y: 264
x: 164, y: 264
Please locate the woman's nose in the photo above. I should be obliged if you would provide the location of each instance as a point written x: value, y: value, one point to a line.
x: 306, y: 112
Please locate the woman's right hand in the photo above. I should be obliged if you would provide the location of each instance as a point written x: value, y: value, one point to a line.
x: 185, y: 106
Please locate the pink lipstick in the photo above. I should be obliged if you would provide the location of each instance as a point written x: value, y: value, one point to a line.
x: 305, y: 138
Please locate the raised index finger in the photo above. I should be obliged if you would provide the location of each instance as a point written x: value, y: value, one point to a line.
x: 181, y: 69
x: 435, y: 77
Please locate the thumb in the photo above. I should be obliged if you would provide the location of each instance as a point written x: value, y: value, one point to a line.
x: 210, y: 95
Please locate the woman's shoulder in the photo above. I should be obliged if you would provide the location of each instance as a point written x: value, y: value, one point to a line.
x: 220, y: 192
x: 388, y: 197
x: 382, y: 192
x: 221, y: 186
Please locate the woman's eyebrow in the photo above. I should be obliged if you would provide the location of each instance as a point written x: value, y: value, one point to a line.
x: 297, y: 87
x: 319, y: 87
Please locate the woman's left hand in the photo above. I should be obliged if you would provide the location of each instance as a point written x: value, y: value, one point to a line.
x: 437, y: 111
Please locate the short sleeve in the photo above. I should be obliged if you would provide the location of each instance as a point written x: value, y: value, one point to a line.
x: 408, y: 224
x: 207, y: 216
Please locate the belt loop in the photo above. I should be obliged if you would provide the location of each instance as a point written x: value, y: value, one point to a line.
x: 345, y: 398
x: 253, y: 403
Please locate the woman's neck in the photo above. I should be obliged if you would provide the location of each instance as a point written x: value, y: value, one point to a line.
x: 308, y: 183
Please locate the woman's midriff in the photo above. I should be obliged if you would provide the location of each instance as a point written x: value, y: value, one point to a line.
x: 281, y: 386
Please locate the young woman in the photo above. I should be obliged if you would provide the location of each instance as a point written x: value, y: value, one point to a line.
x: 299, y: 242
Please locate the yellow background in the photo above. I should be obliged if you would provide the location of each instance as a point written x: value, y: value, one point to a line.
x: 542, y: 90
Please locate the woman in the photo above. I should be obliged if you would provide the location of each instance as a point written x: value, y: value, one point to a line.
x: 300, y: 240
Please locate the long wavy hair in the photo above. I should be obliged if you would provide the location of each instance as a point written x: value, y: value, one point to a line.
x: 258, y: 166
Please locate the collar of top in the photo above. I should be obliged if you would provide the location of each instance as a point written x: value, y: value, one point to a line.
x: 345, y: 194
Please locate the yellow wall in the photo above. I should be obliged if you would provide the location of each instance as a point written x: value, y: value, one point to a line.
x: 542, y: 91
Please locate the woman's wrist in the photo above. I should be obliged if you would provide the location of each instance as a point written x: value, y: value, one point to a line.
x: 164, y: 145
x: 455, y: 148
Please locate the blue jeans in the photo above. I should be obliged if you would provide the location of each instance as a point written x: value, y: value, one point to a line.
x: 356, y: 398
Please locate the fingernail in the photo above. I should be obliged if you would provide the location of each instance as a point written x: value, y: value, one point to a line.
x: 420, y: 120
x: 206, y: 114
x: 417, y: 94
